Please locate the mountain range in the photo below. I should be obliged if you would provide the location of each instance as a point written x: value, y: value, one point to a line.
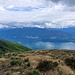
x: 31, y: 35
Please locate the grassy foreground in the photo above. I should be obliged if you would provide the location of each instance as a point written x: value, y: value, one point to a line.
x: 39, y: 62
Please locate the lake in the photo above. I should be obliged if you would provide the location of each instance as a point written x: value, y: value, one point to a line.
x: 50, y: 45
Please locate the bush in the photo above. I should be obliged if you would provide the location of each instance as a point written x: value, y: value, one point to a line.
x: 70, y: 62
x: 55, y: 64
x: 46, y: 65
x: 26, y: 60
x: 14, y: 62
x: 28, y: 64
x: 33, y: 72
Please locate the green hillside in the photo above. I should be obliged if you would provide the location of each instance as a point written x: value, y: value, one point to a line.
x: 7, y: 46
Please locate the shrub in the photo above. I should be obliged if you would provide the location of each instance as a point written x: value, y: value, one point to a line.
x: 21, y: 55
x: 60, y: 73
x: 7, y: 73
x: 46, y: 65
x: 33, y: 72
x: 14, y: 62
x: 14, y: 54
x: 55, y: 64
x: 70, y: 62
x: 12, y: 58
x: 0, y: 63
x: 26, y: 60
x: 28, y: 64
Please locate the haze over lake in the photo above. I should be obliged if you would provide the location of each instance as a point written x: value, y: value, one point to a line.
x: 49, y: 45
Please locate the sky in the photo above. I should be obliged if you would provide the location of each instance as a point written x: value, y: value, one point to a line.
x: 47, y: 13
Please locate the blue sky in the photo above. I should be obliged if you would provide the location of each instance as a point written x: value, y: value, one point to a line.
x: 54, y: 13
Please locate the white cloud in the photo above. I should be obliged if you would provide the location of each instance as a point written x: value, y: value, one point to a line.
x: 1, y: 8
x: 11, y: 6
x: 49, y: 45
x: 21, y: 3
x: 3, y: 26
x: 53, y: 14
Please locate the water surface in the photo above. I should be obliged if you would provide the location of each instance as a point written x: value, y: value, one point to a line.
x: 50, y: 45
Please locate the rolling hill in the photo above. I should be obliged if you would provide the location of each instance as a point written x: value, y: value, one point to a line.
x: 6, y: 46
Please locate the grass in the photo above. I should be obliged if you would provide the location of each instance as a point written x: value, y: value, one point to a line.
x: 20, y: 60
x: 6, y: 46
x: 33, y: 72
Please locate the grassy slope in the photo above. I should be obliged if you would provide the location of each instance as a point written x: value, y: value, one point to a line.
x: 34, y: 57
x: 6, y: 46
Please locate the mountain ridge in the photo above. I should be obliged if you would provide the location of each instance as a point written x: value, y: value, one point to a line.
x: 30, y: 37
x: 7, y: 46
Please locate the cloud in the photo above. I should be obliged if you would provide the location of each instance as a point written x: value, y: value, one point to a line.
x: 21, y: 3
x: 49, y: 45
x: 69, y: 2
x: 27, y: 8
x: 2, y: 8
x: 55, y: 1
x: 53, y: 13
x: 3, y: 26
x: 66, y: 2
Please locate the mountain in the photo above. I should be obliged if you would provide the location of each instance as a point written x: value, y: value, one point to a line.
x: 70, y: 30
x: 7, y: 46
x: 40, y: 34
x: 30, y: 36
